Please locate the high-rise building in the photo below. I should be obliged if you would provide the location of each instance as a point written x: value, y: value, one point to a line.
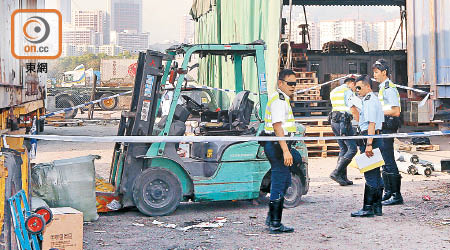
x: 110, y: 49
x: 187, y: 29
x: 78, y: 35
x: 94, y: 20
x: 64, y: 6
x: 354, y: 30
x: 386, y: 31
x: 125, y: 15
x: 130, y: 40
x: 327, y: 32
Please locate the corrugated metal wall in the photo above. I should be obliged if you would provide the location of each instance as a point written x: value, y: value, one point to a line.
x: 428, y: 45
x: 233, y: 21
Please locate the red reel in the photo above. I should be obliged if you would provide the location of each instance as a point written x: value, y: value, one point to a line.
x: 35, y: 223
x: 46, y: 213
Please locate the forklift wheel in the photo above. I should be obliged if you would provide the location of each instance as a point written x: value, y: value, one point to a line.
x: 156, y: 192
x: 294, y: 193
x: 46, y: 213
x: 34, y: 224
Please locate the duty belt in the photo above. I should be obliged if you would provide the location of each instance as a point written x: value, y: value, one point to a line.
x: 365, y: 132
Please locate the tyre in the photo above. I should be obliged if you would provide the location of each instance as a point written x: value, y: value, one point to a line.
x: 294, y: 193
x: 109, y: 104
x: 34, y: 224
x: 46, y: 213
x: 67, y: 102
x: 40, y: 124
x: 157, y: 192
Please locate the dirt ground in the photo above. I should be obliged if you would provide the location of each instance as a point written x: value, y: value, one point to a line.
x: 322, y: 221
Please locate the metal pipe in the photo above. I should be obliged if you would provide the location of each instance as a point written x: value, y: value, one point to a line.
x: 307, y: 26
x: 289, y: 52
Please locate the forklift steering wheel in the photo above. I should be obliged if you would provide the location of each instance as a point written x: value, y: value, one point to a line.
x: 190, y: 100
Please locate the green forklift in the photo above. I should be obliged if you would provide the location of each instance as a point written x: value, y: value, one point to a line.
x: 155, y: 178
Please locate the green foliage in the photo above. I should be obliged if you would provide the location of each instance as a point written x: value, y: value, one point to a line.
x: 58, y: 67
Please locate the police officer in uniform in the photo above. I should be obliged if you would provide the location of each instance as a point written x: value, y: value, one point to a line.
x: 390, y: 100
x: 279, y: 121
x: 371, y: 118
x: 344, y: 109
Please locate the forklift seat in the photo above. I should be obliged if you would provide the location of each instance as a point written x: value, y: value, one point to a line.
x: 178, y: 126
x: 233, y: 121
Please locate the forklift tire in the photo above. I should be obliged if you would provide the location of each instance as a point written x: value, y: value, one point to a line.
x: 157, y: 192
x: 40, y: 125
x: 109, y: 104
x: 294, y: 193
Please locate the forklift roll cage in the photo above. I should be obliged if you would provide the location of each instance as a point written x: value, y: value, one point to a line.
x: 154, y: 178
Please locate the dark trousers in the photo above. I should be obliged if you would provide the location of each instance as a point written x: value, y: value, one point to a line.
x: 280, y: 174
x: 348, y: 147
x: 388, y: 153
x: 373, y: 177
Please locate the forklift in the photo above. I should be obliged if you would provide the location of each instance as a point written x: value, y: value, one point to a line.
x: 155, y: 179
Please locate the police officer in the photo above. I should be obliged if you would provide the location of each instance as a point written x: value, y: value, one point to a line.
x: 344, y: 109
x: 370, y: 123
x: 279, y: 121
x: 390, y: 100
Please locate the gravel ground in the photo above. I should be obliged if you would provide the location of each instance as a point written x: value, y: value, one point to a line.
x: 322, y: 221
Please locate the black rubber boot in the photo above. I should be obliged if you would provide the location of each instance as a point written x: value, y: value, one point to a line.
x: 344, y: 171
x: 268, y: 218
x: 370, y: 194
x: 377, y: 206
x: 396, y: 198
x: 276, y: 213
x: 337, y: 174
x: 387, y: 186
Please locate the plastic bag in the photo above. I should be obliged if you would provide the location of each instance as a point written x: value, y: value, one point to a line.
x: 67, y: 183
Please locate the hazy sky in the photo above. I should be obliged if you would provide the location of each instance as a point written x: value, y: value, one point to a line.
x: 162, y: 18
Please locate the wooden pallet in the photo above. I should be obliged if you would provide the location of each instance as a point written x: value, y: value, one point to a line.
x: 305, y: 75
x: 67, y: 123
x: 414, y: 148
x: 314, y: 123
x: 303, y: 81
x: 306, y: 98
x: 323, y: 150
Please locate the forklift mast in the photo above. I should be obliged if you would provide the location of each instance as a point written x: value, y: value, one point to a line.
x: 139, y: 121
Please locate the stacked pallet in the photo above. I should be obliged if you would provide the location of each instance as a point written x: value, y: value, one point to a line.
x: 60, y: 121
x: 320, y: 148
x: 414, y: 148
x: 306, y: 80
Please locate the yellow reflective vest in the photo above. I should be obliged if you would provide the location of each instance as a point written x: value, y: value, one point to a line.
x: 381, y: 95
x: 289, y: 124
x: 337, y: 97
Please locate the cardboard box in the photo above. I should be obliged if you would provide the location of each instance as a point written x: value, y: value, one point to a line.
x: 65, y: 231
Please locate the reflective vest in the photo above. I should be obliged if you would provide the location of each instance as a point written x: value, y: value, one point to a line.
x: 381, y: 95
x: 288, y: 125
x: 337, y: 97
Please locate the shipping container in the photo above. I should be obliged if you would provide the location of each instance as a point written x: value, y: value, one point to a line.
x: 118, y: 72
x: 22, y: 94
x: 428, y: 33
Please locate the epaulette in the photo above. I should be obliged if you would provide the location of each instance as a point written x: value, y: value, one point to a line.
x: 386, y: 85
x: 367, y: 97
x: 281, y: 96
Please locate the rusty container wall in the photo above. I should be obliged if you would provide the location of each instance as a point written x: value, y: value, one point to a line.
x: 16, y: 85
x: 428, y: 45
x: 428, y: 33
